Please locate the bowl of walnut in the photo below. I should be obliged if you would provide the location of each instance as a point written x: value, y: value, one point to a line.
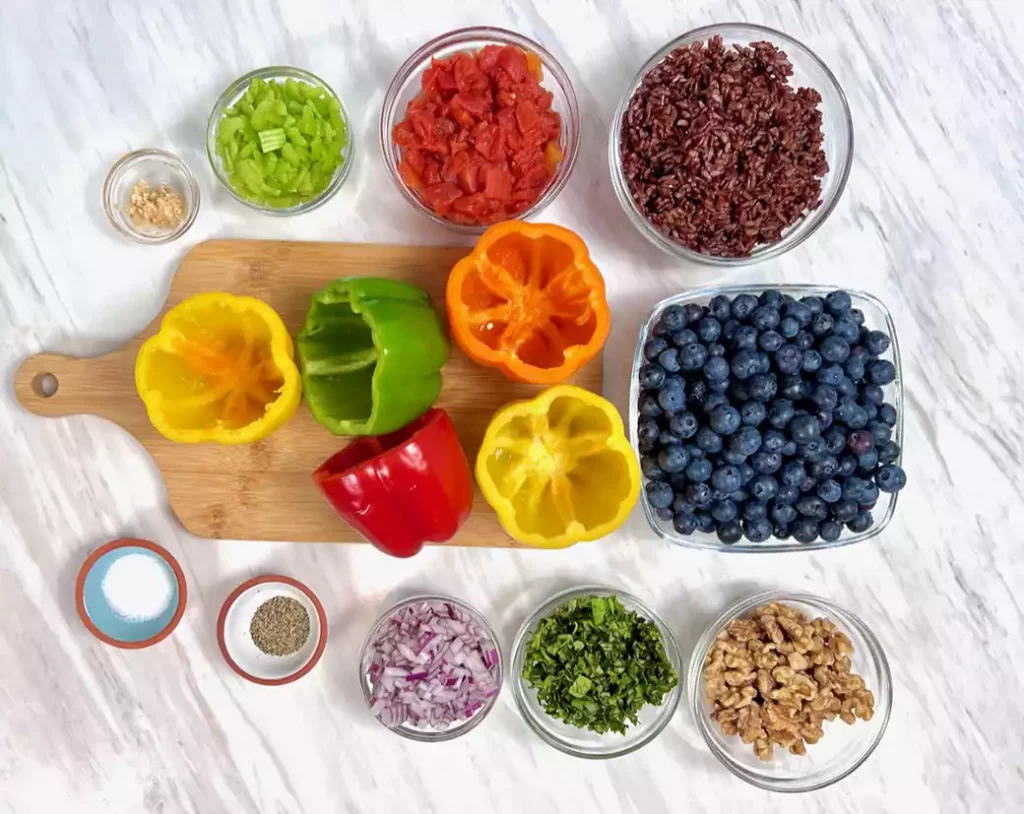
x: 791, y: 692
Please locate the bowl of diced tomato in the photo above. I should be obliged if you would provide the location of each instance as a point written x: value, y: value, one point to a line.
x: 478, y: 126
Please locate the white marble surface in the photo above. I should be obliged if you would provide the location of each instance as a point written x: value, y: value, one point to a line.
x: 931, y: 222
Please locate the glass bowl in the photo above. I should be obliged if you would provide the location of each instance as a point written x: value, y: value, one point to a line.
x: 231, y: 95
x: 876, y: 316
x: 408, y: 730
x: 837, y: 127
x: 158, y: 168
x: 582, y: 742
x: 842, y: 749
x: 406, y: 85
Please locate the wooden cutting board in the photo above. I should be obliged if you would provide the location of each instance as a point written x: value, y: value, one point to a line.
x: 264, y: 491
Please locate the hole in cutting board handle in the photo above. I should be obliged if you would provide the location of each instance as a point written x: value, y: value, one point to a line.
x: 45, y: 385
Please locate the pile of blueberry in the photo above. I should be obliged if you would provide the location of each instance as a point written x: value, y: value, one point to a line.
x: 766, y: 415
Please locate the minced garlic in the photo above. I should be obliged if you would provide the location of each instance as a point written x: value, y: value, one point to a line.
x: 161, y: 207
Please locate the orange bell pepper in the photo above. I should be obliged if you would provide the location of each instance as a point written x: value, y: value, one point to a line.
x: 529, y: 301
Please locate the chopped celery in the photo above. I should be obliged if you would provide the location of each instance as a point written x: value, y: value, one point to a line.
x: 271, y: 139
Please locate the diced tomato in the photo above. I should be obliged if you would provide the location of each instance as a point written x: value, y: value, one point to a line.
x: 440, y: 197
x: 497, y: 183
x: 534, y: 66
x: 487, y: 58
x: 512, y: 60
x: 552, y: 155
x: 528, y: 118
x: 431, y: 170
x: 415, y: 159
x: 403, y: 136
x: 466, y: 109
x: 409, y: 176
x: 489, y: 140
x: 468, y: 75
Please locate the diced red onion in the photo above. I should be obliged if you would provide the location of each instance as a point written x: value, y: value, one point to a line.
x: 431, y: 665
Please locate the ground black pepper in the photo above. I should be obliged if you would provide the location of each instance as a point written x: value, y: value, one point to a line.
x: 280, y: 626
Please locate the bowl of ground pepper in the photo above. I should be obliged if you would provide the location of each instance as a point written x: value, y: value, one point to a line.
x: 272, y: 630
x: 732, y: 145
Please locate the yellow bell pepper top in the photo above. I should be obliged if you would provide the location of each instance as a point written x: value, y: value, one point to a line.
x: 558, y: 469
x: 219, y: 369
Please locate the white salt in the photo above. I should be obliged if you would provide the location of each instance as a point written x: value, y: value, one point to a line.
x: 138, y: 587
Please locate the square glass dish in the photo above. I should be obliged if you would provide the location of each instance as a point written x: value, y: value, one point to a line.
x: 876, y: 316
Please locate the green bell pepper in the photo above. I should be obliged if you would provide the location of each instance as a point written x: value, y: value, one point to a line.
x: 370, y: 354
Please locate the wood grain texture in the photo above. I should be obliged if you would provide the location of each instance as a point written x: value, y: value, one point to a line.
x: 263, y: 491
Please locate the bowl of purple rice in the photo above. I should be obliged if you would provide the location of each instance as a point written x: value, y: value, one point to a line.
x: 732, y: 145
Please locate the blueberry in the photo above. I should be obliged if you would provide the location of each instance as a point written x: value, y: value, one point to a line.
x: 813, y: 450
x: 853, y: 488
x: 669, y: 359
x: 838, y: 302
x: 659, y: 329
x: 857, y: 417
x: 753, y: 413
x: 709, y: 329
x: 672, y: 399
x: 724, y: 510
x: 844, y: 511
x: 713, y: 401
x: 746, y: 441
x: 788, y: 359
x: 699, y: 470
x: 891, y: 478
x: 830, y: 374
x: 692, y: 356
x: 652, y: 376
x: 738, y: 391
x: 789, y: 449
x: 649, y: 406
x: 846, y: 329
x: 824, y: 468
x: 659, y: 494
x: 789, y: 327
x: 731, y: 456
x: 825, y: 396
x: 888, y: 452
x: 754, y: 510
x: 654, y: 347
x: 829, y: 491
x: 771, y: 296
x: 770, y: 341
x: 680, y: 505
x: 814, y: 304
x: 709, y: 440
x: 696, y: 392
x: 854, y: 368
x: 811, y: 361
x: 881, y: 372
x: 729, y: 533
x: 648, y: 430
x: 683, y: 425
x: 812, y: 506
x: 765, y: 318
x: 788, y: 493
x: 725, y: 419
x: 822, y: 325
x: 729, y: 328
x: 781, y: 531
x: 745, y: 338
x: 887, y: 413
x: 720, y: 307
x: 747, y: 473
x: 716, y: 368
x: 780, y: 413
x: 693, y: 312
x: 674, y: 317
x: 846, y: 387
x: 794, y: 387
x: 764, y: 487
x: 684, y: 523
x: 745, y: 364
x: 718, y: 386
x: 715, y: 349
x: 834, y: 349
x: 876, y: 343
x: 804, y: 530
x: 804, y: 340
x: 673, y: 458
x: 649, y: 466
x: 872, y: 412
x: 699, y: 494
x: 683, y: 337
x: 873, y: 394
x: 705, y: 522
x: 847, y: 466
x: 860, y: 441
x: 781, y: 512
x: 726, y: 479
x: 666, y: 437
x: 835, y: 439
x: 830, y: 531
x: 862, y: 522
x: 803, y: 429
x: 767, y: 463
x: 664, y: 514
x: 772, y: 441
x: 743, y: 306
x: 764, y: 362
x: 793, y: 473
x: 857, y: 316
x: 695, y: 451
x: 870, y: 495
x: 763, y: 386
x: 757, y: 531
x: 798, y: 311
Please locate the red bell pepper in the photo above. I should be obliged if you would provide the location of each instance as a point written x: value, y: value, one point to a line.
x: 403, y: 489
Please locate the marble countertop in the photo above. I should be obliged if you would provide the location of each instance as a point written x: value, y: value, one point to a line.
x: 931, y: 222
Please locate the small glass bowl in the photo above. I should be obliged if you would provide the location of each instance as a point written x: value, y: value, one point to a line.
x: 842, y: 749
x: 582, y: 742
x: 876, y: 316
x: 158, y: 168
x: 406, y: 85
x: 231, y: 95
x: 837, y: 126
x: 408, y: 730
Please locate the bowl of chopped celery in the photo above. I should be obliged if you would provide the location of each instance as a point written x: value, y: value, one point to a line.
x: 279, y: 140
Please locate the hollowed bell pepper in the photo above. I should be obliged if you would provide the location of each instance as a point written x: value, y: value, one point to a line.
x: 529, y: 301
x: 219, y: 369
x: 557, y: 469
x: 370, y: 353
x: 404, y: 489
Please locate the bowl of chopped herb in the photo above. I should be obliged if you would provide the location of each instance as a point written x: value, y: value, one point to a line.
x: 596, y: 672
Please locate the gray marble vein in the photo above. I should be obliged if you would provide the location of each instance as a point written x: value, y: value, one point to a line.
x: 931, y: 222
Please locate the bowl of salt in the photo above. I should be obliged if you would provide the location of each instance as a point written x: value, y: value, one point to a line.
x: 130, y: 593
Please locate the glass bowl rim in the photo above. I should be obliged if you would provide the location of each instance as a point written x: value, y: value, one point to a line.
x: 501, y: 36
x: 665, y: 711
x: 235, y: 89
x: 767, y: 251
x: 428, y: 735
x: 794, y: 289
x: 826, y: 607
x: 122, y: 165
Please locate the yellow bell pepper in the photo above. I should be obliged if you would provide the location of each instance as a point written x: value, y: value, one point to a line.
x: 219, y: 369
x: 557, y: 469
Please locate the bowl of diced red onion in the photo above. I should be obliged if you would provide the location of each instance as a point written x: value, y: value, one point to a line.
x: 430, y: 668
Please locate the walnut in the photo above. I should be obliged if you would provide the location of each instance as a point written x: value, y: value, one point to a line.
x: 775, y: 677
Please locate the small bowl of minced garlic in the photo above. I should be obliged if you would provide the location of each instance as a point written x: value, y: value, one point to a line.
x: 151, y: 196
